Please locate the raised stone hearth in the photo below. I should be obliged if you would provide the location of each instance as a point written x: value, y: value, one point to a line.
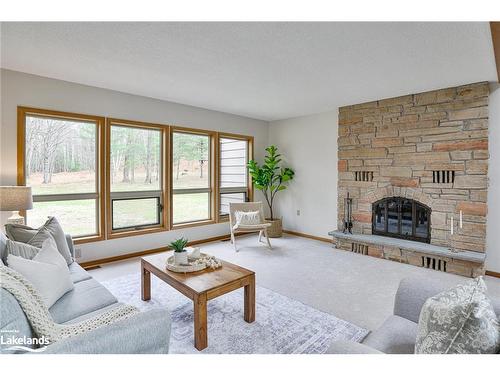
x: 467, y: 263
x: 429, y: 148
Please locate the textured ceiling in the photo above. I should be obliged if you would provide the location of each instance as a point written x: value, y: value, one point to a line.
x: 266, y: 71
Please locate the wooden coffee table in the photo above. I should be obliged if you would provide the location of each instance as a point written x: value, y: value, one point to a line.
x: 201, y: 287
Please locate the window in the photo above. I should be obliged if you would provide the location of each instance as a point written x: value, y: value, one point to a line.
x: 60, y: 158
x: 109, y: 178
x: 136, y: 184
x: 234, y: 153
x: 191, y: 175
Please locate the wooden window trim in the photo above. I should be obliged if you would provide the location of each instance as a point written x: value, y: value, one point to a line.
x: 165, y: 221
x: 103, y: 178
x: 250, y: 156
x: 212, y: 173
x: 22, y: 112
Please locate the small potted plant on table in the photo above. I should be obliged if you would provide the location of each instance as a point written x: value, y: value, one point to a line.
x: 270, y: 178
x: 180, y: 253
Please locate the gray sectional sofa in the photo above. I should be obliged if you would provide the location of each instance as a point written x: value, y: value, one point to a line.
x: 397, y: 335
x: 146, y: 332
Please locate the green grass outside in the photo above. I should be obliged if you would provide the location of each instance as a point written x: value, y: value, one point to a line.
x: 78, y: 217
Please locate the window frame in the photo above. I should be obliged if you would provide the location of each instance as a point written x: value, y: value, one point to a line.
x: 249, y: 191
x: 162, y: 194
x: 211, y: 190
x: 159, y: 213
x: 103, y: 195
x: 99, y: 195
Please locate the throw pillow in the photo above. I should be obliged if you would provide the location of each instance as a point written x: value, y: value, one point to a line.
x: 47, y: 271
x: 19, y: 232
x: 247, y: 218
x: 459, y: 321
x: 35, y: 237
x: 57, y: 232
x: 20, y: 249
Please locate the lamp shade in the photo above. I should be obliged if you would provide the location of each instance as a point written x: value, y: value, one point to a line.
x: 15, y: 198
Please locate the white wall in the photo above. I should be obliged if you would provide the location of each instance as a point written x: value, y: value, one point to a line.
x: 34, y: 91
x: 493, y: 227
x: 309, y: 145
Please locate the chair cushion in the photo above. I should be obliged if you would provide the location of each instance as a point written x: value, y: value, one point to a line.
x: 396, y: 336
x: 87, y: 296
x: 77, y: 273
x: 247, y: 217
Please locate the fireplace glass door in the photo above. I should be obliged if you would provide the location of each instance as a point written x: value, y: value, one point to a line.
x: 401, y: 218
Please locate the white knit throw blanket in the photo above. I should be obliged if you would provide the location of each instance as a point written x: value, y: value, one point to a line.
x: 39, y: 316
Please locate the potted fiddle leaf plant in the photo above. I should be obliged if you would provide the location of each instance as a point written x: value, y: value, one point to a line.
x: 180, y: 252
x: 271, y: 178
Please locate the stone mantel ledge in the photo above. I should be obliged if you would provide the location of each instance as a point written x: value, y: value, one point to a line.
x: 421, y: 247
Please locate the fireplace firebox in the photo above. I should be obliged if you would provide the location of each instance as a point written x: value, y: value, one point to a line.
x: 401, y: 218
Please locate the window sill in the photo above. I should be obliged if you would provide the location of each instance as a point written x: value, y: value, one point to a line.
x: 81, y: 240
x: 135, y: 232
x: 193, y: 224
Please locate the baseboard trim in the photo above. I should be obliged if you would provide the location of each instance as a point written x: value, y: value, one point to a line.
x: 492, y: 274
x: 310, y: 236
x: 117, y: 258
x: 98, y: 262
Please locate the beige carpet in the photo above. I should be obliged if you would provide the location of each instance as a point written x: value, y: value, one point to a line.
x: 353, y: 287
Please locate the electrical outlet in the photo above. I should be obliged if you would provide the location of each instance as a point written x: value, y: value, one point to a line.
x: 78, y: 252
x: 298, y: 212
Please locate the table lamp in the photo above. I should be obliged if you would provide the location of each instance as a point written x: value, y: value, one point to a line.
x: 15, y: 199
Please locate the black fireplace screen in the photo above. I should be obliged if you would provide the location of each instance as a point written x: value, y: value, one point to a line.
x: 401, y: 218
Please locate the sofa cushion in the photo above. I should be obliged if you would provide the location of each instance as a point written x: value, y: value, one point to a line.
x: 92, y: 314
x: 87, y: 296
x: 55, y: 229
x: 13, y: 321
x: 20, y: 232
x: 396, y: 336
x: 21, y: 249
x: 77, y: 273
x: 3, y: 247
x: 47, y: 271
x: 350, y: 347
x: 459, y: 321
x: 69, y: 241
x: 36, y: 237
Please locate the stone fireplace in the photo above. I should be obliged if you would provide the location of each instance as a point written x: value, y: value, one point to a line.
x: 416, y: 169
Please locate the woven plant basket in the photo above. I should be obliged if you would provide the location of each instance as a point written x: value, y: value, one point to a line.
x: 276, y: 228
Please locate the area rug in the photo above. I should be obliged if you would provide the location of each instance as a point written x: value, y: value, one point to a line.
x: 282, y: 325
